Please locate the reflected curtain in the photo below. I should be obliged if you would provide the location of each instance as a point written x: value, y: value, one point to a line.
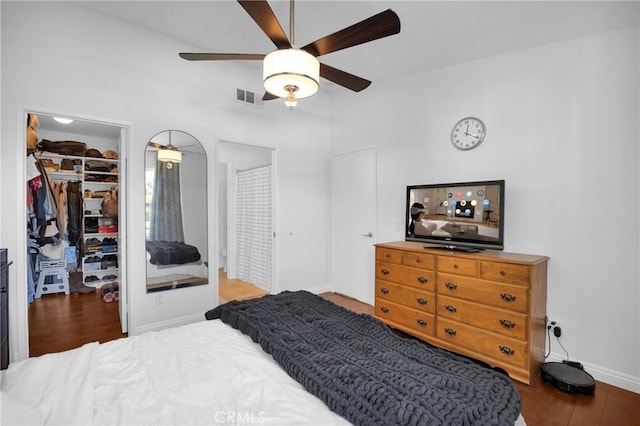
x: 254, y: 226
x: 166, y: 205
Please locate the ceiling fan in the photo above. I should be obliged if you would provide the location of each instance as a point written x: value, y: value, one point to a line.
x: 291, y: 72
x: 167, y: 154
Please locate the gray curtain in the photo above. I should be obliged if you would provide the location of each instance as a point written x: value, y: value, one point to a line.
x: 166, y: 205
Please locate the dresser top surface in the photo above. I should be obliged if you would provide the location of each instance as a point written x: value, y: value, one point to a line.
x: 490, y: 255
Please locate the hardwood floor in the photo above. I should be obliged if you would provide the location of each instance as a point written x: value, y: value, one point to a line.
x: 236, y: 289
x: 58, y: 322
x: 542, y: 404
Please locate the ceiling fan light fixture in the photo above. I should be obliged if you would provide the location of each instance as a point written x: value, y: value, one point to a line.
x: 169, y: 155
x: 291, y: 68
x: 63, y: 120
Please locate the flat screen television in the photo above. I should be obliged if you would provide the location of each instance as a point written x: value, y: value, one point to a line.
x: 466, y: 216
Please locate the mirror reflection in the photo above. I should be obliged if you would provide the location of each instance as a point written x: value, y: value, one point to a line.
x: 176, y: 211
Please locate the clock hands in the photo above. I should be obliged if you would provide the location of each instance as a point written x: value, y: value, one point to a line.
x: 466, y: 133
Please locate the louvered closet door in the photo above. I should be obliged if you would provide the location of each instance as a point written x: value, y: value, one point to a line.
x: 254, y: 233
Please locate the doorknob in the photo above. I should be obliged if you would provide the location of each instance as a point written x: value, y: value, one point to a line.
x: 368, y: 235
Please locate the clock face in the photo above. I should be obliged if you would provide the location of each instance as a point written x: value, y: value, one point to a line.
x: 468, y: 133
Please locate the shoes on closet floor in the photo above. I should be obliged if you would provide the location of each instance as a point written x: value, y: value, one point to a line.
x: 110, y: 292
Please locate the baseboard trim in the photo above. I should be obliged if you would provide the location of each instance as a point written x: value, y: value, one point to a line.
x: 174, y: 322
x: 606, y: 375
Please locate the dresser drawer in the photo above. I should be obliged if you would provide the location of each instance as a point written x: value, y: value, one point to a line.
x: 508, y: 323
x: 498, y: 347
x: 388, y: 255
x: 505, y: 272
x: 408, y: 296
x: 420, y: 278
x: 390, y: 271
x: 419, y: 260
x: 506, y: 296
x: 414, y: 319
x: 454, y: 265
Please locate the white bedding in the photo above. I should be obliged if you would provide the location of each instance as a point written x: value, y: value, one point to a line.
x: 202, y: 373
x: 162, y: 273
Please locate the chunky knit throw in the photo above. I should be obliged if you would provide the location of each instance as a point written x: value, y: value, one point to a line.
x: 366, y: 373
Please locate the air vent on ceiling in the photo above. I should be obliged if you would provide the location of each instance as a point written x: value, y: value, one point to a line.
x: 248, y: 97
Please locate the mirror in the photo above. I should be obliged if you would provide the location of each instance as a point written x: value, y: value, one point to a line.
x: 175, y: 211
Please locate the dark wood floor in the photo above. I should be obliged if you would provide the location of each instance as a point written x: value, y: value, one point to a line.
x: 58, y: 322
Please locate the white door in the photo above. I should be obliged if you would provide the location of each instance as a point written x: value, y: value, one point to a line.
x: 354, y: 223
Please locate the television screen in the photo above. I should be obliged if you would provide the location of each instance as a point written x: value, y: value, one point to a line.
x: 462, y: 216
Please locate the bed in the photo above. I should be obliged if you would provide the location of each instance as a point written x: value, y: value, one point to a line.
x: 174, y: 264
x: 212, y: 373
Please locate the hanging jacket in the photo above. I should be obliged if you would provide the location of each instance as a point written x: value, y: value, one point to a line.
x: 74, y: 212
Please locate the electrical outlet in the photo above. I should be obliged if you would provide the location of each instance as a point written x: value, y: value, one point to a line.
x: 553, y: 323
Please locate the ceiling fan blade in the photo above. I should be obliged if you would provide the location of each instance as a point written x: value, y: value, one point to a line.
x: 156, y: 145
x: 263, y: 15
x: 343, y: 78
x: 220, y: 56
x: 378, y: 26
x: 268, y: 96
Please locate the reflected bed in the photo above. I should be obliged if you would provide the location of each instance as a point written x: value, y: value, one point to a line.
x: 172, y: 265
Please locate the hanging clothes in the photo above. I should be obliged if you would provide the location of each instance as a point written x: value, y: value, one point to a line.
x: 74, y: 210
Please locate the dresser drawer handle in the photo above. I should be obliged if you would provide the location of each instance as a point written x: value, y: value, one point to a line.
x: 421, y: 322
x: 384, y: 271
x: 507, y: 324
x: 451, y: 286
x: 502, y: 273
x: 418, y: 260
x: 384, y: 290
x: 450, y: 331
x: 387, y: 255
x: 384, y: 309
x: 507, y: 350
x: 421, y: 301
x: 508, y: 297
x: 422, y: 280
x: 450, y: 308
x: 455, y: 266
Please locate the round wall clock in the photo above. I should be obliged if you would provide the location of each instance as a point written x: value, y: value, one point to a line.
x: 468, y: 133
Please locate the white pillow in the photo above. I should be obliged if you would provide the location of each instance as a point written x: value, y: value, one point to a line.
x: 18, y: 412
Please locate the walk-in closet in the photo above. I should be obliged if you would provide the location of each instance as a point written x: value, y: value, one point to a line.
x: 74, y: 224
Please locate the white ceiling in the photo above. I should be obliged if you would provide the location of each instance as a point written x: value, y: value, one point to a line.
x: 433, y: 34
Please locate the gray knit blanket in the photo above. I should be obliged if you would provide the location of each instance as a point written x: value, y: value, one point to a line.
x: 366, y: 373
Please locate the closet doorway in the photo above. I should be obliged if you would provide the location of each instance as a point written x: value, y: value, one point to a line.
x: 246, y: 212
x: 75, y: 247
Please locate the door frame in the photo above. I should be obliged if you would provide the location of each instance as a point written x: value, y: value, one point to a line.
x: 18, y: 303
x: 230, y: 223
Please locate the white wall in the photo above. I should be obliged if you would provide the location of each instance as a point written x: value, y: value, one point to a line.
x: 562, y: 131
x: 71, y: 60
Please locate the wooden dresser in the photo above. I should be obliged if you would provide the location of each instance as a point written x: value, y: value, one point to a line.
x: 490, y: 306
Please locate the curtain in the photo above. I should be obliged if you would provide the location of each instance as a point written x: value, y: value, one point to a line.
x: 254, y: 226
x: 166, y: 205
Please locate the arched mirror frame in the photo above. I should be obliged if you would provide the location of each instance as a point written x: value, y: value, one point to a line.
x: 176, y: 235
